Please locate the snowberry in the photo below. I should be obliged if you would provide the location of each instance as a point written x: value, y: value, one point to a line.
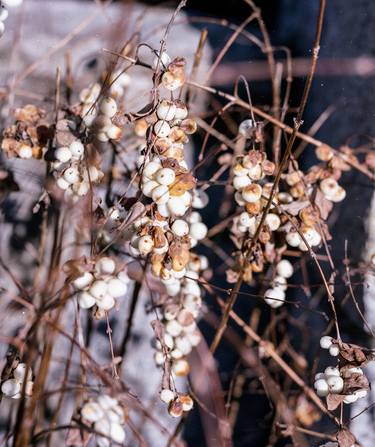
x: 162, y: 60
x: 280, y: 283
x: 62, y: 183
x: 162, y: 129
x: 83, y: 281
x: 181, y: 367
x: 180, y: 228
x: 321, y: 387
x: 252, y: 193
x: 273, y: 221
x: 160, y: 194
x: 326, y: 342
x: 181, y: 111
x: 148, y: 187
x: 165, y: 176
x: 85, y: 300
x: 200, y: 199
x: 338, y: 196
x: 145, y: 245
x: 3, y: 14
x: 11, y: 388
x: 150, y: 169
x: 167, y: 395
x: 92, y: 411
x: 331, y: 371
x: 334, y: 350
x: 198, y: 231
x: 63, y: 154
x: 163, y: 210
x: 176, y: 206
x: 20, y: 372
x: 350, y: 398
x: 173, y: 328
x: 77, y: 149
x: 116, y: 288
x: 171, y: 82
x: 105, y: 266
x: 2, y: 29
x: 98, y: 289
x: 108, y: 107
x: 335, y: 384
x: 274, y: 297
x: 241, y: 181
x: 71, y: 175
x: 114, y: 133
x: 293, y: 239
x: 329, y: 186
x: 173, y: 288
x: 106, y: 302
x: 102, y: 136
x: 166, y: 110
x: 187, y: 402
x: 284, y: 268
x: 25, y: 151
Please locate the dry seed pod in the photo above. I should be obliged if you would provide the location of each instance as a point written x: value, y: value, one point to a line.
x: 324, y: 152
x: 140, y: 127
x: 187, y: 402
x: 189, y: 126
x: 162, y: 145
x: 183, y: 183
x: 254, y: 208
x: 175, y: 408
x: 178, y: 135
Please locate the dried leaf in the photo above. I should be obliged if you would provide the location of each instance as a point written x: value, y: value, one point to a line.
x: 77, y: 437
x: 183, y: 183
x: 334, y: 400
x: 325, y: 206
x: 345, y: 438
x: 294, y: 207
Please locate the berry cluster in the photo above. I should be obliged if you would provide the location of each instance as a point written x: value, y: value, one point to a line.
x: 74, y: 174
x: 28, y: 136
x: 13, y: 386
x: 106, y: 416
x: 100, y: 285
x: 275, y: 296
x: 346, y: 380
x: 99, y: 114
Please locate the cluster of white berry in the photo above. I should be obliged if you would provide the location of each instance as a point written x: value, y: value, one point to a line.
x: 107, y: 418
x: 249, y: 171
x: 98, y: 114
x: 101, y: 285
x: 181, y: 334
x: 333, y: 380
x: 13, y: 387
x: 4, y: 4
x: 74, y: 174
x: 275, y: 296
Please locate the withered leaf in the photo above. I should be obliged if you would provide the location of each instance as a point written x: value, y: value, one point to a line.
x: 325, y: 206
x: 77, y: 437
x: 345, y: 438
x: 183, y: 183
x: 352, y: 354
x: 334, y: 400
x: 356, y: 382
x: 294, y: 207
